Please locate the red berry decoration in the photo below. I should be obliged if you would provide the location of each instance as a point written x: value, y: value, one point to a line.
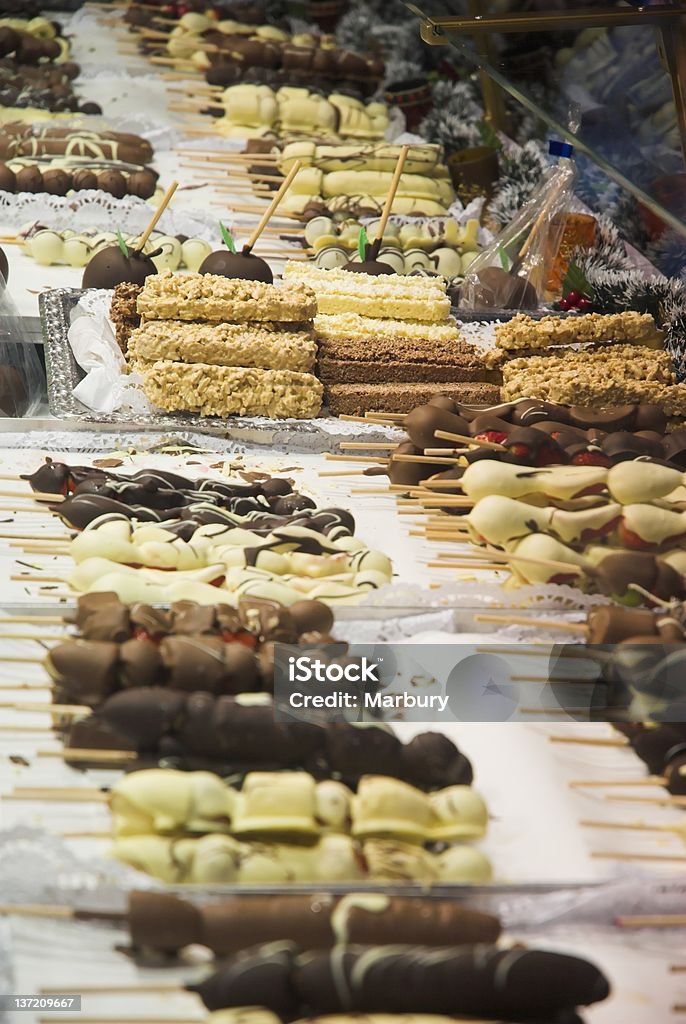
x: 563, y: 304
x: 584, y: 304
x: 573, y: 297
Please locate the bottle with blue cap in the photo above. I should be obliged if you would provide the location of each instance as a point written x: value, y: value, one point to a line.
x: 514, y: 271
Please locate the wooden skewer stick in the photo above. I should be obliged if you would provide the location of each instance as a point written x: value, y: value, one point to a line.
x: 653, y: 921
x: 656, y: 801
x: 37, y: 910
x: 624, y: 855
x: 87, y: 754
x: 633, y: 826
x: 91, y: 989
x: 47, y: 685
x: 360, y: 446
x: 36, y: 637
x: 590, y: 741
x: 447, y: 435
x: 66, y: 793
x: 522, y: 620
x: 335, y: 457
x: 29, y: 578
x: 266, y: 216
x: 646, y: 780
x: 12, y: 659
x: 56, y: 710
x: 25, y: 510
x: 166, y: 199
x: 33, y: 495
x: 56, y: 620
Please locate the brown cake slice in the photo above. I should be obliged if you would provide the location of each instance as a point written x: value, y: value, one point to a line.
x: 357, y: 399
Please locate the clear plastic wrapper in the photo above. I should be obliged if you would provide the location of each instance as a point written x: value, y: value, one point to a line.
x: 22, y: 380
x: 515, y: 271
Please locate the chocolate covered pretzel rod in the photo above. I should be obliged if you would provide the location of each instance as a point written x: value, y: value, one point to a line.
x: 164, y: 923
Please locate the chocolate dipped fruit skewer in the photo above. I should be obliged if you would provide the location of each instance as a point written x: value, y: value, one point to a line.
x: 198, y: 731
x: 537, y: 986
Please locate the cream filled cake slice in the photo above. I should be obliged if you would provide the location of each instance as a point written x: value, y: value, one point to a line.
x: 352, y: 326
x: 261, y: 344
x: 386, y: 297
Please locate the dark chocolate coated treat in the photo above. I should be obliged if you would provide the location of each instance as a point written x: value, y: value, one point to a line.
x: 90, y: 108
x: 650, y: 417
x: 424, y: 420
x: 244, y: 266
x: 532, y: 411
x: 312, y: 616
x: 355, y: 752
x: 144, y: 716
x: 4, y: 278
x: 610, y: 624
x: 114, y: 183
x: 620, y: 417
x: 88, y: 671
x: 82, y: 509
x: 109, y: 621
x: 675, y: 774
x: 142, y: 184
x: 164, y: 922
x: 530, y: 447
x: 84, y: 179
x: 514, y: 984
x: 488, y: 424
x: 432, y: 761
x: 140, y: 664
x: 111, y: 267
x: 621, y: 446
x: 617, y: 571
x: 8, y: 179
x: 56, y: 181
x: 656, y: 747
x: 29, y: 179
x: 674, y: 448
x: 443, y: 402
x: 150, y: 623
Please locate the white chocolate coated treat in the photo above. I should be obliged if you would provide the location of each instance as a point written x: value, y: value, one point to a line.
x: 388, y: 807
x: 161, y: 800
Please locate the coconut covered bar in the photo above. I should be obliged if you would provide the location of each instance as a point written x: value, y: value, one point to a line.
x: 231, y: 391
x: 623, y: 375
x: 525, y: 332
x: 222, y: 299
x: 267, y: 345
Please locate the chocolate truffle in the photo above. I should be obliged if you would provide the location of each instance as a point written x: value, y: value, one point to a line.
x: 142, y: 184
x: 84, y: 179
x: 241, y: 265
x: 90, y: 108
x: 113, y: 182
x: 29, y: 179
x: 8, y: 179
x: 111, y: 267
x: 56, y: 181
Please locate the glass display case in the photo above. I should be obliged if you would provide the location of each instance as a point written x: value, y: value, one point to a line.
x: 609, y: 77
